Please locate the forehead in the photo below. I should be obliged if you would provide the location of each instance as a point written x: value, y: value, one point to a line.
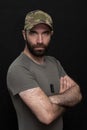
x: 41, y: 26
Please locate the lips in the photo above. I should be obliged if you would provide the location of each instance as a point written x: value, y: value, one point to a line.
x: 39, y: 48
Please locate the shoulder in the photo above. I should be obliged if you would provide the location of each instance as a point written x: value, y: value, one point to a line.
x: 57, y: 63
x: 22, y: 61
x: 16, y: 67
x: 53, y: 59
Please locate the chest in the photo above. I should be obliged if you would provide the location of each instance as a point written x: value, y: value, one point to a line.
x: 48, y: 79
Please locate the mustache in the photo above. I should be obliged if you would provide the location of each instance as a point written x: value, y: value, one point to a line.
x: 39, y: 45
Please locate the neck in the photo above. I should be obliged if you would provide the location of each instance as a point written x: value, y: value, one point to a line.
x: 38, y: 60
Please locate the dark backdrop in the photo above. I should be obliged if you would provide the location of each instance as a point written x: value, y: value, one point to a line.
x: 68, y: 45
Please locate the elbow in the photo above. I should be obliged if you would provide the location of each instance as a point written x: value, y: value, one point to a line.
x: 47, y: 119
x: 80, y: 97
x: 46, y: 122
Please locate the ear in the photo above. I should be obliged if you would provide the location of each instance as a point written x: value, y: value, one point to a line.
x: 52, y: 33
x: 23, y: 33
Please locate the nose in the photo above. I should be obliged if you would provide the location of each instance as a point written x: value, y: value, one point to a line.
x: 40, y: 38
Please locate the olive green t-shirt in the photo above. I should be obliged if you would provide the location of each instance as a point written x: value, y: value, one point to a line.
x: 24, y: 74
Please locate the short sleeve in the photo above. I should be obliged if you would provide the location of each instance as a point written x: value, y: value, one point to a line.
x: 60, y: 69
x: 19, y: 79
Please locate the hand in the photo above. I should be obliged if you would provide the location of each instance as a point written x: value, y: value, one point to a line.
x: 66, y: 83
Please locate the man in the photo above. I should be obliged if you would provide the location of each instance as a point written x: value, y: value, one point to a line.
x: 39, y: 87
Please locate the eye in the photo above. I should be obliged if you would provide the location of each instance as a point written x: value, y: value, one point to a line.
x: 31, y: 32
x: 46, y: 33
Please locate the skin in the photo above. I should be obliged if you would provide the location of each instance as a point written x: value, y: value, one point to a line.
x: 47, y: 109
x: 39, y: 37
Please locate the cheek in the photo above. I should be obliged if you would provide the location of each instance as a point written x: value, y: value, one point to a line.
x: 47, y: 40
x: 31, y: 40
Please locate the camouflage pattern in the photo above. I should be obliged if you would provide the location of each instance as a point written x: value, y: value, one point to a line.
x: 36, y: 17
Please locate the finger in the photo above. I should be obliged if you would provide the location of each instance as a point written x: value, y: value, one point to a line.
x: 65, y: 83
x: 61, y: 84
x: 70, y: 82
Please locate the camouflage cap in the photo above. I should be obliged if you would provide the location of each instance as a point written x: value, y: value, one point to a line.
x: 36, y: 17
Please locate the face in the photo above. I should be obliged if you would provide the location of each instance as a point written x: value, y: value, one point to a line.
x: 38, y: 39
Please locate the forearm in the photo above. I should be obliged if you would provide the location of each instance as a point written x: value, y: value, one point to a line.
x: 41, y: 105
x: 68, y: 98
x: 57, y: 110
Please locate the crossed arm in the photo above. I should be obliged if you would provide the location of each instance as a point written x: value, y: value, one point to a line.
x: 69, y: 94
x: 49, y: 108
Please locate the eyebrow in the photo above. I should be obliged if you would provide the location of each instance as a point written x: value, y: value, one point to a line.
x: 33, y: 31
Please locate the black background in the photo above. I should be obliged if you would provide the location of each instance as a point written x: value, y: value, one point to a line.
x: 68, y: 45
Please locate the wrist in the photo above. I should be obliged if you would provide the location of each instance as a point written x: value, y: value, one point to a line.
x: 54, y: 99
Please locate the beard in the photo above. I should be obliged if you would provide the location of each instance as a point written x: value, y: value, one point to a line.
x: 38, y: 50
